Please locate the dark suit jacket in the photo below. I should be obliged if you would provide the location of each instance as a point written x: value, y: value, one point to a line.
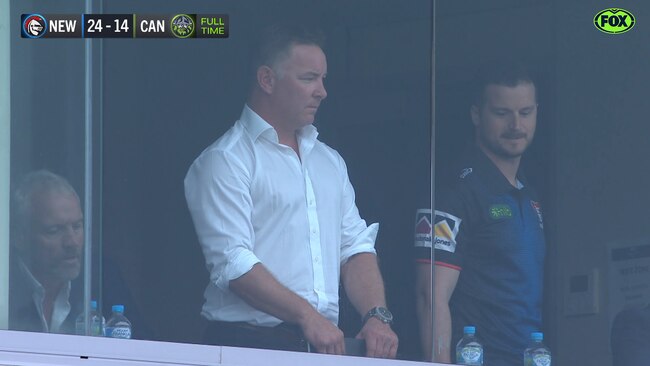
x: 23, y: 314
x: 631, y: 337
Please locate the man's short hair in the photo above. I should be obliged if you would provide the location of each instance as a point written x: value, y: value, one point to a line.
x: 499, y: 72
x: 35, y: 182
x: 274, y: 43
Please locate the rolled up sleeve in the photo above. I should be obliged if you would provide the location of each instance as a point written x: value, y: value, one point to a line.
x: 356, y: 236
x: 217, y: 190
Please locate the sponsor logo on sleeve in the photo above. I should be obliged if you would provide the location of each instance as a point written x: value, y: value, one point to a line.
x: 423, y: 228
x: 445, y: 231
x: 538, y: 209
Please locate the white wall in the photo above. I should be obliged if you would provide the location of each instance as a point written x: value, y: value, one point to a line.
x: 24, y: 348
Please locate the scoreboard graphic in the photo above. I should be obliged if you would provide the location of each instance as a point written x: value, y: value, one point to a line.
x: 124, y: 26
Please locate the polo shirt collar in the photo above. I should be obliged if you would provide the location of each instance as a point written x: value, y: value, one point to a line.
x: 491, y: 175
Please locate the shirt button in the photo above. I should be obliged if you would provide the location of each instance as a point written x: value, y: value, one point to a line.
x: 317, y: 259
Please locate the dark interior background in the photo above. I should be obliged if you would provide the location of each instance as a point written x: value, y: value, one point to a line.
x: 157, y: 103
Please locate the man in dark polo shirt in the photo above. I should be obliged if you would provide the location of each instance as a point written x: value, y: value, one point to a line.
x: 487, y: 231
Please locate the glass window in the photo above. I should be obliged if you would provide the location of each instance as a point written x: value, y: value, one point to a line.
x: 120, y: 121
x: 48, y: 241
x: 585, y: 164
x: 99, y: 134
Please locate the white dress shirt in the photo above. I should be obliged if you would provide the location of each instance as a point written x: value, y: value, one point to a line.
x: 253, y: 200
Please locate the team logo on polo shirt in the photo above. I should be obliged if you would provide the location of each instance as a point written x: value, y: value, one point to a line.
x: 538, y: 209
x: 465, y: 172
x: 445, y: 231
x: 423, y: 228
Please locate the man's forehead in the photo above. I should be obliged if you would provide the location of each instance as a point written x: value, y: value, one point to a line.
x: 306, y: 56
x: 522, y: 94
x: 54, y: 205
x: 302, y: 47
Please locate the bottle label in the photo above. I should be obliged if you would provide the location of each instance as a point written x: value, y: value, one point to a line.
x: 118, y: 332
x: 542, y: 360
x: 471, y: 355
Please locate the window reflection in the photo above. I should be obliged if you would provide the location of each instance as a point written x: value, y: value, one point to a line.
x: 46, y: 256
x: 46, y: 289
x: 145, y: 253
x: 586, y: 161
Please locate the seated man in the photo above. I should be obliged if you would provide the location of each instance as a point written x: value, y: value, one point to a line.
x: 46, y: 254
x: 45, y: 289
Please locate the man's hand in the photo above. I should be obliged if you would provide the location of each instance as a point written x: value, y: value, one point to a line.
x: 262, y: 291
x: 381, y: 341
x: 322, y: 334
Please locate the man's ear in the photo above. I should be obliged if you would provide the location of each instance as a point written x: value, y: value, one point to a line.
x: 474, y: 113
x: 266, y: 79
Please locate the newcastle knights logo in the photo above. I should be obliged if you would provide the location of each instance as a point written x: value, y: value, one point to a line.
x: 538, y: 210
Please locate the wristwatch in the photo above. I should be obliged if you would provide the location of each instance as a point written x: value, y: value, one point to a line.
x: 380, y: 313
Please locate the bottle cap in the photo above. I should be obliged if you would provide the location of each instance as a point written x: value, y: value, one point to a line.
x: 118, y: 308
x: 537, y: 336
x: 470, y: 329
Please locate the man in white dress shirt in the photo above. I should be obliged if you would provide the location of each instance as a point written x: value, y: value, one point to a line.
x: 275, y: 215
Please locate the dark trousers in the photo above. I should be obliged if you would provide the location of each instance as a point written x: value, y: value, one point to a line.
x: 284, y: 337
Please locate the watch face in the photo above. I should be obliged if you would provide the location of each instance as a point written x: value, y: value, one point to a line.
x: 380, y: 313
x: 385, y: 314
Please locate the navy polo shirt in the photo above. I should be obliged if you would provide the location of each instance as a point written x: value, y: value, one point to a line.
x: 493, y: 234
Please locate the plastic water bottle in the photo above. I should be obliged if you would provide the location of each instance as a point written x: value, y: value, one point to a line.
x: 118, y: 326
x: 469, y: 350
x: 537, y: 354
x: 97, y: 322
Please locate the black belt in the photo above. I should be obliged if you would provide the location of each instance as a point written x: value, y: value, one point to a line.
x: 286, y: 337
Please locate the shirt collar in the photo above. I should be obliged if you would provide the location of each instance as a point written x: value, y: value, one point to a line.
x: 256, y: 126
x: 307, y: 139
x: 61, y: 303
x: 492, y: 176
x: 34, y: 285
